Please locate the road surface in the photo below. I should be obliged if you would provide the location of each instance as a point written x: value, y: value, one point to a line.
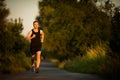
x: 49, y: 72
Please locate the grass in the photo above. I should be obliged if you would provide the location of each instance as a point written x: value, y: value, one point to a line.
x: 95, y: 62
x: 86, y: 65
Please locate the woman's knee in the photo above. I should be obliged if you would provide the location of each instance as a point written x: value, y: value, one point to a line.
x: 38, y: 52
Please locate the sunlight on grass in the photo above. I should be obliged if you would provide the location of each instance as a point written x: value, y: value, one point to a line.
x: 95, y: 61
x: 57, y: 63
x: 54, y: 60
x: 95, y: 52
x: 62, y: 64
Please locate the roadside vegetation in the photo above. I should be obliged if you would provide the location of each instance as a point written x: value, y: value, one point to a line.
x: 13, y: 46
x: 96, y: 61
x: 82, y: 35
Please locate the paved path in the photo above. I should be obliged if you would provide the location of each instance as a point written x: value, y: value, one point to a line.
x: 49, y: 72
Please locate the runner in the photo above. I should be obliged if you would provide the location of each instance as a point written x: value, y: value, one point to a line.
x: 36, y: 37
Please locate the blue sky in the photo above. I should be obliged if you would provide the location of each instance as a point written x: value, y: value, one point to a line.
x: 28, y: 10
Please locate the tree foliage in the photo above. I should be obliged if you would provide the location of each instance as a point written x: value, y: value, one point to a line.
x: 71, y: 26
x: 12, y: 43
x: 115, y: 33
x: 3, y: 14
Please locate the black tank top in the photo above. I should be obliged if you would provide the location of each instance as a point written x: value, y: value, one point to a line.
x: 35, y: 41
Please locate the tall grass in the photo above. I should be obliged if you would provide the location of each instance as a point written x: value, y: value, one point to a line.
x: 96, y: 61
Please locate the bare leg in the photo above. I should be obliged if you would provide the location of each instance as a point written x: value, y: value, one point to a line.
x: 38, y: 60
x: 32, y: 60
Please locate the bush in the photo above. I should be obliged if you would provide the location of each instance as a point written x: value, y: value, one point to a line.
x: 15, y: 64
x: 96, y: 62
x: 86, y: 65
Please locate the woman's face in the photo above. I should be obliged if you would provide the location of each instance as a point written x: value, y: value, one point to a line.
x: 36, y: 25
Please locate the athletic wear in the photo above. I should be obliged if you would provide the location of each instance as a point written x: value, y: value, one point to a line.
x: 37, y: 70
x: 33, y: 69
x: 35, y: 42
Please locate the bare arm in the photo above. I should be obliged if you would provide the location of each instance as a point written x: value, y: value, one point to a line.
x: 42, y: 36
x: 28, y: 37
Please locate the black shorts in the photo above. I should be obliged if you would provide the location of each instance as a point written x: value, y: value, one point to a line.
x: 35, y: 48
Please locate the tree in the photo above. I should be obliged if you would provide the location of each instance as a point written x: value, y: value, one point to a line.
x: 3, y: 30
x: 71, y: 26
x: 13, y: 44
x: 115, y: 33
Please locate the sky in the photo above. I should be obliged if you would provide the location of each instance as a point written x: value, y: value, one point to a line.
x: 117, y: 2
x: 28, y: 10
